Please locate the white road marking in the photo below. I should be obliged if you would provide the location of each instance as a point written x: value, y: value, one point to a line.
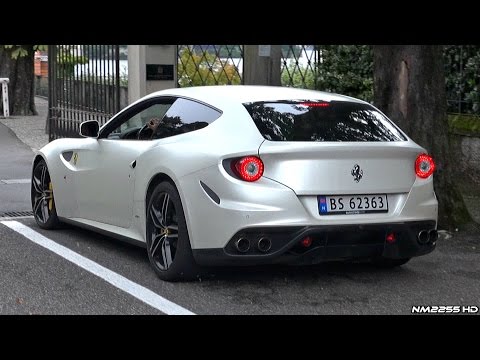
x: 15, y: 217
x: 117, y: 280
x: 15, y: 181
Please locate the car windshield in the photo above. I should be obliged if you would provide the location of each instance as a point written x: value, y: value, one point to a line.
x: 321, y: 121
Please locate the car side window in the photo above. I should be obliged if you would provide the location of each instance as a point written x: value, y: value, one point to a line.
x: 185, y: 116
x: 141, y: 124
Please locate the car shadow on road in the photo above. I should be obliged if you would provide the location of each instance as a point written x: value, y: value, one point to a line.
x: 360, y: 272
x: 231, y: 276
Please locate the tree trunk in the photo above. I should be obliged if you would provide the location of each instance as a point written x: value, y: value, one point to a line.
x: 21, y: 89
x: 409, y: 86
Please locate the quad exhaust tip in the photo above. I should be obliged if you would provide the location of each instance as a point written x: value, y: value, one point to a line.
x: 426, y: 236
x: 264, y: 244
x: 423, y: 237
x: 242, y: 245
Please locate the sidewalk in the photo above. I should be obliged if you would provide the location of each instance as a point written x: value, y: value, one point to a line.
x: 30, y: 129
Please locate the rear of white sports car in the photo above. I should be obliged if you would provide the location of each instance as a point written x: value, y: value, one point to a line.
x: 330, y: 179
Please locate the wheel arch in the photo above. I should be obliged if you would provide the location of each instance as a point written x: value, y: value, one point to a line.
x: 154, y: 181
x: 53, y: 220
x: 37, y: 159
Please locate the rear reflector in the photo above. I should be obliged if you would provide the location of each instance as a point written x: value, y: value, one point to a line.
x: 306, y: 242
x: 391, y: 238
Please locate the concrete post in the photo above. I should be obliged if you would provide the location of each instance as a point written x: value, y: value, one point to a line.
x: 136, y: 72
x: 6, y: 110
x: 151, y: 68
x: 262, y: 65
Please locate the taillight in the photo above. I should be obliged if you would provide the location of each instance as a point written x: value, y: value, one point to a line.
x: 249, y: 168
x: 424, y: 166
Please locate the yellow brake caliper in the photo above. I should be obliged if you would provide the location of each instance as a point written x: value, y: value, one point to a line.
x: 50, y: 202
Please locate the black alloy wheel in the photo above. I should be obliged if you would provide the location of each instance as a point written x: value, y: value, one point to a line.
x: 43, y: 202
x: 168, y: 243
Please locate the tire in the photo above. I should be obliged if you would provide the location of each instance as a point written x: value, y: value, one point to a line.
x: 171, y: 254
x: 389, y: 263
x: 42, y: 198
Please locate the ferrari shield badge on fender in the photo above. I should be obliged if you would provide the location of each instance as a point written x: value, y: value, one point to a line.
x: 75, y: 158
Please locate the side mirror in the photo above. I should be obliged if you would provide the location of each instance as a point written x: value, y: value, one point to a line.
x: 89, y: 128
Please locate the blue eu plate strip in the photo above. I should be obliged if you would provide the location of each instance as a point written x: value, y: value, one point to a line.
x: 322, y: 204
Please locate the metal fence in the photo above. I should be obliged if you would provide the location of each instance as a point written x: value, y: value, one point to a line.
x: 304, y: 66
x: 223, y: 65
x: 209, y: 65
x: 462, y: 74
x: 300, y: 66
x: 84, y: 84
x: 84, y: 80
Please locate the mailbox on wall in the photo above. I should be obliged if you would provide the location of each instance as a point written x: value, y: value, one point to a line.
x: 160, y: 72
x: 151, y: 68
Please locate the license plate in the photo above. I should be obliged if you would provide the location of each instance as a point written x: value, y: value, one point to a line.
x: 352, y: 204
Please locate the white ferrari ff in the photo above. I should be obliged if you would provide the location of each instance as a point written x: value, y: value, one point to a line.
x: 243, y: 175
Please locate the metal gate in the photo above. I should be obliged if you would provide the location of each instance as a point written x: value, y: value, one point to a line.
x: 223, y: 65
x: 85, y: 80
x: 300, y: 66
x: 84, y: 84
x: 209, y: 65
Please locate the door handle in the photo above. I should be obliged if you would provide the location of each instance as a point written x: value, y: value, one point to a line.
x: 133, y: 164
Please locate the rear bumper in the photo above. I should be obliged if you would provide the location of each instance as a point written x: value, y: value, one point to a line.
x: 238, y: 205
x: 329, y: 242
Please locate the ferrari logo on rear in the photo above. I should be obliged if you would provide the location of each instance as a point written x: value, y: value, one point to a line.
x: 357, y: 173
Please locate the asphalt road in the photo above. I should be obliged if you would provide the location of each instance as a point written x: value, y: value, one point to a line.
x: 15, y: 164
x: 35, y: 280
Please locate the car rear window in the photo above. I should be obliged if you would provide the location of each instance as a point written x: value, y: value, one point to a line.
x: 321, y: 121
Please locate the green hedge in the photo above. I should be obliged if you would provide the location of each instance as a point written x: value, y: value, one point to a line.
x: 464, y: 124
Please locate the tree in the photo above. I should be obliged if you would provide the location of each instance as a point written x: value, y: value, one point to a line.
x: 16, y: 63
x: 67, y: 58
x: 409, y: 86
x: 462, y: 72
x: 343, y: 69
x: 347, y: 70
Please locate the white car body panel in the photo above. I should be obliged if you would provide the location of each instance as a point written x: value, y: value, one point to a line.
x: 325, y: 166
x: 103, y: 191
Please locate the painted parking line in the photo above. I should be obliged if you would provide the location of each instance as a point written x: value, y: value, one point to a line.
x: 14, y: 181
x: 16, y: 217
x: 142, y: 293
